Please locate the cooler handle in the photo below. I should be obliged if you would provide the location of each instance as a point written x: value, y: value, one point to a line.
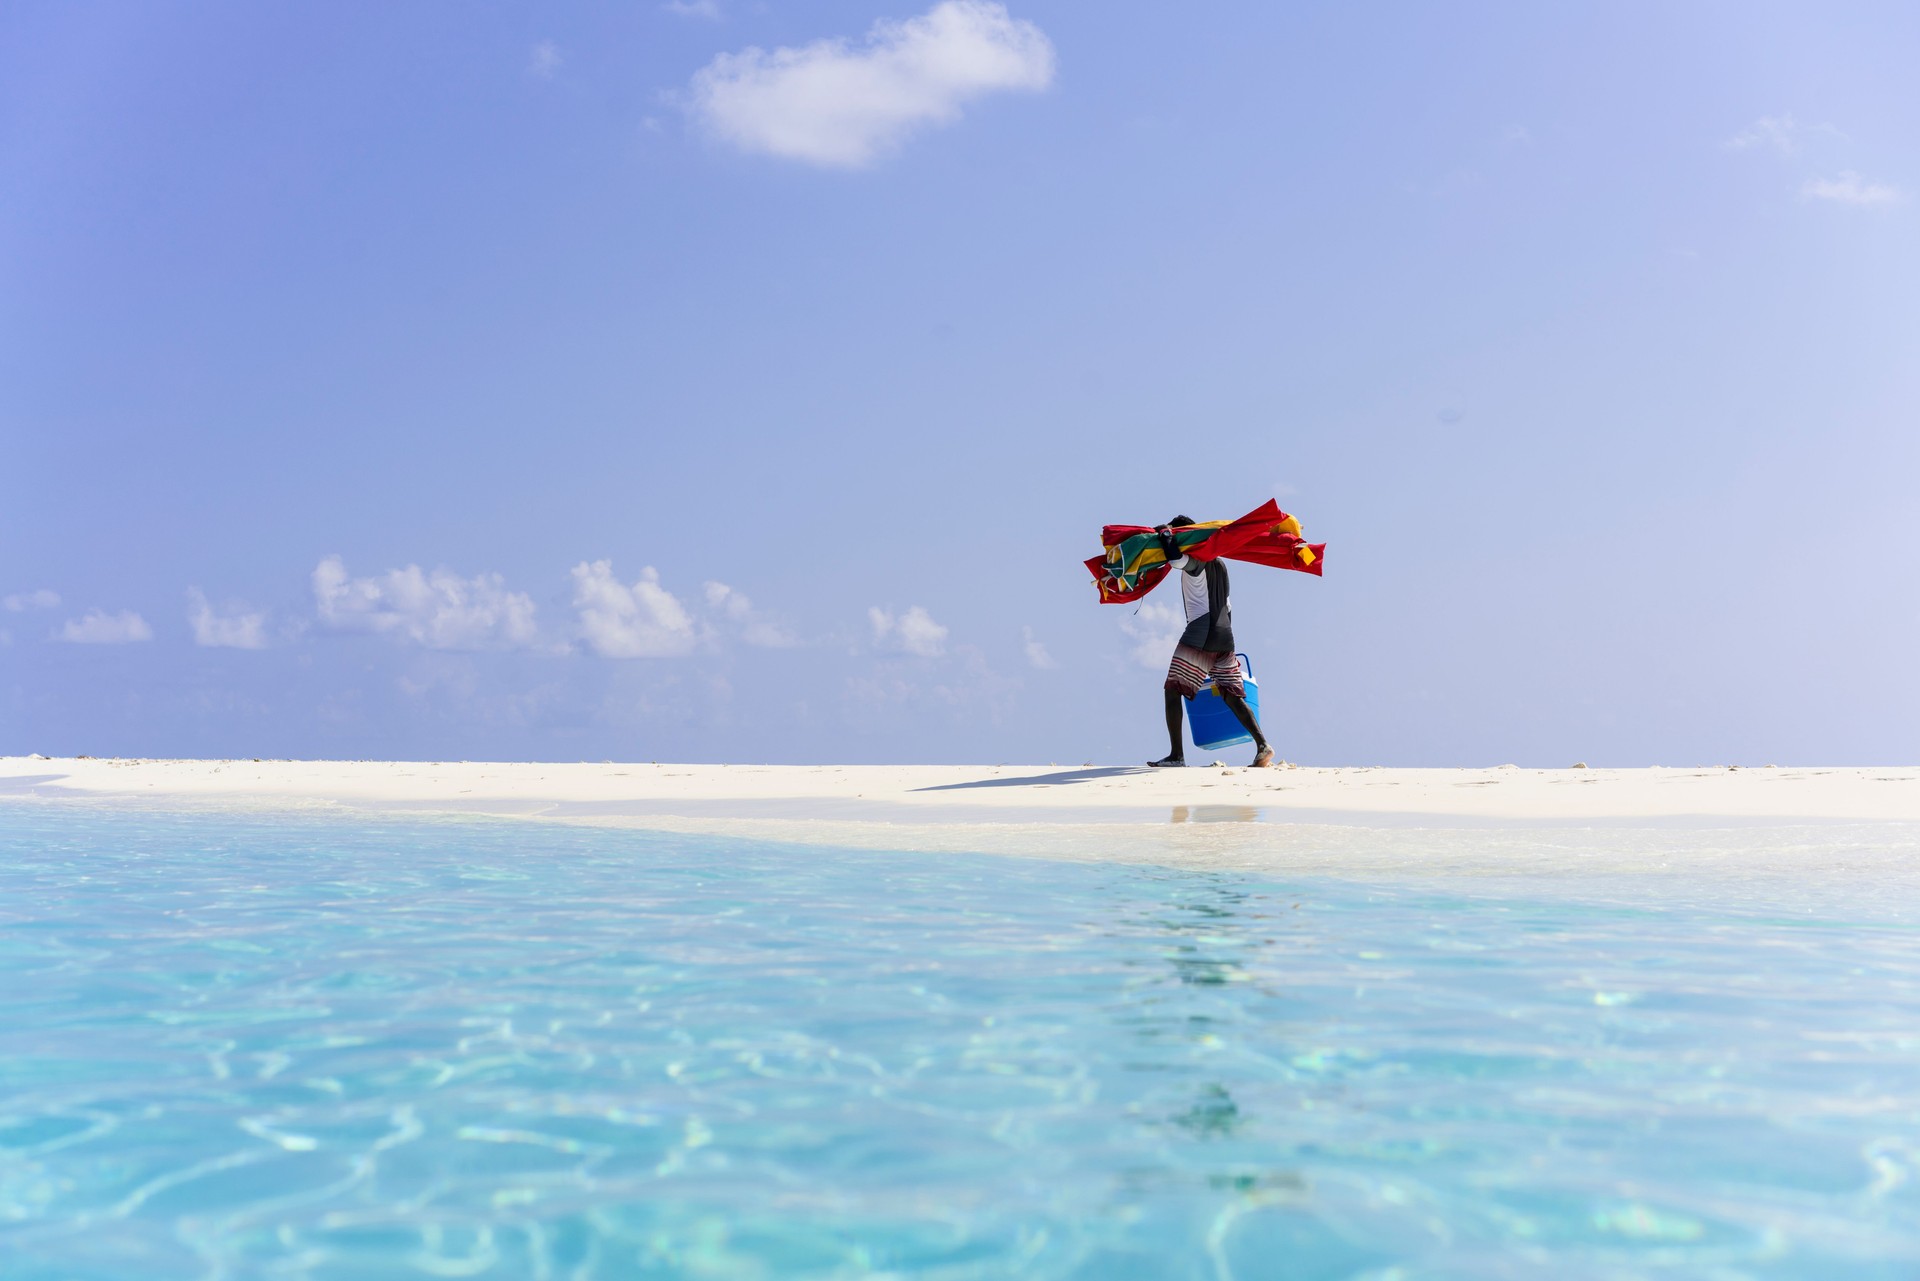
x: 1245, y: 662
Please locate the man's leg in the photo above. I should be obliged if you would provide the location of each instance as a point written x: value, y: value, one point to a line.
x: 1262, y: 754
x: 1184, y: 675
x: 1175, y: 718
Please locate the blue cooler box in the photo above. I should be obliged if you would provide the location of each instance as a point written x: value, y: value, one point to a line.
x: 1209, y: 719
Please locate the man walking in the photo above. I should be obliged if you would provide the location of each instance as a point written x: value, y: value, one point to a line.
x: 1205, y: 649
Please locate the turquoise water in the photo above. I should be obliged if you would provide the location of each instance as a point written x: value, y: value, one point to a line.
x: 305, y: 1048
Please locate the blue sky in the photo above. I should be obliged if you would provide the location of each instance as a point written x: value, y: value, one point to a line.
x: 722, y: 381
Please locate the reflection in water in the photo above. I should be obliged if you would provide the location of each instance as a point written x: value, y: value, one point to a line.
x: 1210, y: 931
x: 1215, y: 814
x: 1213, y: 930
x: 1212, y: 1115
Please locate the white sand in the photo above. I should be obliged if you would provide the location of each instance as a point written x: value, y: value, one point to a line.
x: 1747, y: 825
x: 1002, y: 793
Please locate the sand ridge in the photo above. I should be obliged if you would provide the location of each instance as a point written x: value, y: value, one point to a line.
x: 961, y: 794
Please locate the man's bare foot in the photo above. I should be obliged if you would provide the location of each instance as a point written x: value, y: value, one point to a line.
x: 1264, y: 758
x: 1168, y: 762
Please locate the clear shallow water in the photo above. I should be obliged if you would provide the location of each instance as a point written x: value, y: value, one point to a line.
x: 240, y: 1047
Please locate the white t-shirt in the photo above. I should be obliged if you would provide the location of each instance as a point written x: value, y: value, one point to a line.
x: 1193, y: 590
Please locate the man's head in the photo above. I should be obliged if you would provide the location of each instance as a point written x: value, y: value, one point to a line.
x: 1181, y: 520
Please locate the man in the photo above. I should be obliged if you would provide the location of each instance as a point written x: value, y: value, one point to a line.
x: 1205, y: 649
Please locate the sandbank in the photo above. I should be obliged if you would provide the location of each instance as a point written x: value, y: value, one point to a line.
x: 1752, y: 822
x: 997, y: 793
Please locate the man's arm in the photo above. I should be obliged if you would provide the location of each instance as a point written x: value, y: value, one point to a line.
x: 1177, y: 559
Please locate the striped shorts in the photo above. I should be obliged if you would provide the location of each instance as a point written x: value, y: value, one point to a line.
x: 1191, y: 667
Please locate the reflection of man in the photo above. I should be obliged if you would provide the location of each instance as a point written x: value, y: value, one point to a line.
x: 1205, y: 649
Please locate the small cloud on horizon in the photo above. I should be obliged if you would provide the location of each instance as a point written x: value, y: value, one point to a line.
x: 1037, y: 655
x: 837, y: 105
x: 708, y: 9
x: 21, y: 602
x: 97, y: 627
x: 238, y: 628
x: 440, y: 610
x: 913, y: 632
x: 1849, y: 188
x: 544, y: 60
x: 1154, y: 629
x: 752, y: 626
x: 644, y: 620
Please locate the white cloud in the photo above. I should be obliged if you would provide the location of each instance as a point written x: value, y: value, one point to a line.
x: 1779, y: 134
x: 440, y: 610
x: 727, y: 601
x: 740, y: 614
x: 880, y: 689
x: 1155, y: 630
x: 544, y: 59
x: 21, y: 602
x: 1782, y: 135
x: 1037, y: 655
x: 1850, y: 189
x: 708, y: 9
x: 913, y: 632
x: 237, y: 629
x: 641, y: 621
x: 834, y: 104
x: 97, y: 627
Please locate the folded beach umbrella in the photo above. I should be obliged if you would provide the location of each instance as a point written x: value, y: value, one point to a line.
x: 1134, y: 562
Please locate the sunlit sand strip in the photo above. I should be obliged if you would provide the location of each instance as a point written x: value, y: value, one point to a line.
x: 1035, y: 793
x: 1857, y: 824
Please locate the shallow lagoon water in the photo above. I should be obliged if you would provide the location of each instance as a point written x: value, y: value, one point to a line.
x: 329, y: 1048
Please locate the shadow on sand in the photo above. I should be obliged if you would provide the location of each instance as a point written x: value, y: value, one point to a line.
x: 1059, y: 779
x: 24, y: 784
